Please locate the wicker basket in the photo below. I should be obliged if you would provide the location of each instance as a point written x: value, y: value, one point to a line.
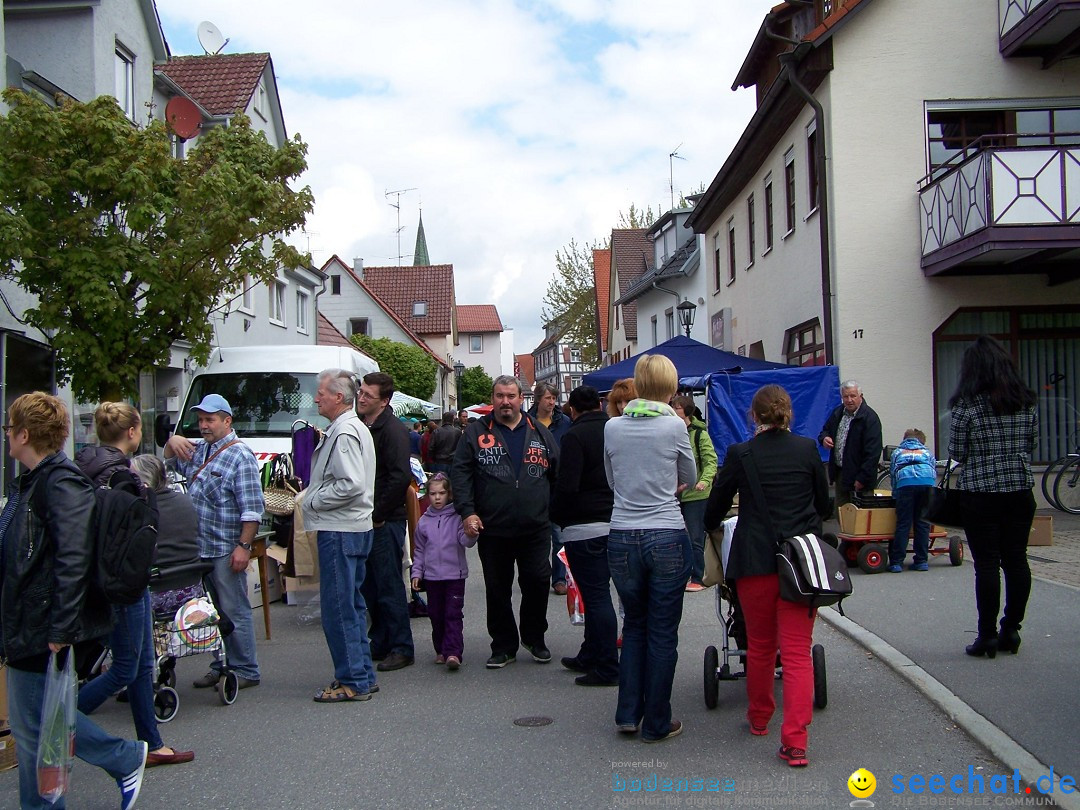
x: 7, y: 750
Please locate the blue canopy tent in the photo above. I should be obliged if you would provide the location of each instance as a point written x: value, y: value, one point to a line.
x: 691, y: 358
x: 814, y: 391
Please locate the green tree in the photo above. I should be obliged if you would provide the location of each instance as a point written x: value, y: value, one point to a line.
x: 570, y: 300
x: 475, y: 387
x: 636, y: 218
x: 412, y: 368
x: 127, y: 248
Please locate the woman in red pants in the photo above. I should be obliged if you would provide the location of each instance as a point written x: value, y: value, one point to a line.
x: 796, y: 495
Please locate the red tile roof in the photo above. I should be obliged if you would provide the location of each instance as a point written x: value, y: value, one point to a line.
x: 478, y: 318
x: 526, y: 369
x: 401, y: 287
x: 221, y: 84
x: 602, y: 282
x: 833, y: 19
x: 329, y: 335
x: 631, y: 254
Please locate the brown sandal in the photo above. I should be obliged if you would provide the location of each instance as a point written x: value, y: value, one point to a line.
x: 339, y: 693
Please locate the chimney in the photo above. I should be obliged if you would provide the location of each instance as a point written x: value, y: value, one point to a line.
x: 358, y: 268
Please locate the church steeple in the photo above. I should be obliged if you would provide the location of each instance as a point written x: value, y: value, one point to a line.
x: 420, y: 254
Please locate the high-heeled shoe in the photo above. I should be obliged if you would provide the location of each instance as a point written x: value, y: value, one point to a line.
x: 1009, y: 640
x: 983, y: 645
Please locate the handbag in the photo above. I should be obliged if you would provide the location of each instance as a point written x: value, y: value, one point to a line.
x: 945, y: 506
x: 714, y: 565
x: 56, y: 738
x: 280, y: 494
x: 811, y: 571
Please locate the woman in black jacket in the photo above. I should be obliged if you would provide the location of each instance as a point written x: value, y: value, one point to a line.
x: 48, y: 600
x: 581, y: 505
x: 796, y: 491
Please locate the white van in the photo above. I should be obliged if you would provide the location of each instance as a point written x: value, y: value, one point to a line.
x: 270, y: 389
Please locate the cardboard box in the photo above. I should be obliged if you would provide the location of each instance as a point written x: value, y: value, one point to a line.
x: 856, y: 521
x: 1042, y: 531
x: 300, y: 590
x: 273, y: 582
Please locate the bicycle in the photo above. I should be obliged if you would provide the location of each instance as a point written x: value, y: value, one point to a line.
x: 1066, y: 492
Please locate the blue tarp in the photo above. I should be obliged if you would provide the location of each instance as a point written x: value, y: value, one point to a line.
x: 814, y: 391
x: 691, y: 358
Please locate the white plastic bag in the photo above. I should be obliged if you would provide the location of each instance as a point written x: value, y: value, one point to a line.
x: 56, y: 739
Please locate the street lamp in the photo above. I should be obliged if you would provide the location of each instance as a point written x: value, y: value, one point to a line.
x: 459, y: 369
x: 687, y: 310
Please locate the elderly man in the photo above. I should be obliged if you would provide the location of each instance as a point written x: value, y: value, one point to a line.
x: 223, y: 481
x: 502, y: 477
x: 337, y: 505
x: 384, y: 588
x: 853, y: 434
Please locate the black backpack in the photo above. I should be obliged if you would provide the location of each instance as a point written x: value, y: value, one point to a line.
x: 124, y: 533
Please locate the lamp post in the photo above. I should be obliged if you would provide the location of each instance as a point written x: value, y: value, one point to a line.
x: 687, y: 310
x: 459, y: 369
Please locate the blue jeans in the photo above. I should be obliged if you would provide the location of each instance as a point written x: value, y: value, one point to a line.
x: 693, y: 513
x: 342, y: 559
x: 910, y: 506
x: 132, y: 645
x: 384, y: 592
x: 650, y: 568
x: 558, y: 570
x: 231, y: 598
x: 26, y: 693
x: 589, y: 565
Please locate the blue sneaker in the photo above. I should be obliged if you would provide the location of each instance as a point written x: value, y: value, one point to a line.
x: 896, y: 569
x: 131, y: 784
x: 919, y: 566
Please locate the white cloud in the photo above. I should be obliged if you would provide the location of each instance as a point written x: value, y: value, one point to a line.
x: 523, y: 125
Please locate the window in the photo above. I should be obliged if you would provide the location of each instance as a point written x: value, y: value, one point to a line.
x: 811, y: 165
x: 731, y: 249
x: 125, y: 80
x: 277, y: 303
x: 768, y: 213
x: 655, y: 340
x: 335, y: 285
x: 804, y: 345
x: 750, y: 219
x: 476, y: 344
x: 301, y: 311
x: 669, y: 323
x: 575, y: 356
x: 360, y: 326
x: 419, y: 309
x: 260, y: 101
x: 245, y: 296
x: 789, y: 188
x: 716, y: 259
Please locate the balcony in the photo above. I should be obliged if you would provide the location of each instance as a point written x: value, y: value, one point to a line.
x: 1004, y: 210
x: 1043, y: 28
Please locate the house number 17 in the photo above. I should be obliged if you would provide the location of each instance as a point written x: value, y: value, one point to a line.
x: 856, y: 333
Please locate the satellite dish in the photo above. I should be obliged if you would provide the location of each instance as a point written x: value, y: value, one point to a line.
x: 183, y: 117
x: 211, y: 38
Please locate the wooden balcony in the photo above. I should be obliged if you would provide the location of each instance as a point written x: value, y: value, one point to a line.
x: 1049, y: 29
x: 1004, y: 211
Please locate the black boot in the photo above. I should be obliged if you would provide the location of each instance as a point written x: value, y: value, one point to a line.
x: 1009, y: 640
x: 983, y: 645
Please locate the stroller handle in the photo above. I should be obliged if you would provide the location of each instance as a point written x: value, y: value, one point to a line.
x: 202, y: 567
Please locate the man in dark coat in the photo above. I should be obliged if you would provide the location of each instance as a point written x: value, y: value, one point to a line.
x: 853, y: 434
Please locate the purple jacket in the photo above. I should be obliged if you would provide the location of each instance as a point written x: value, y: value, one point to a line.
x: 439, y: 552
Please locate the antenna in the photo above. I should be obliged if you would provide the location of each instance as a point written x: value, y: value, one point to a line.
x: 397, y: 195
x: 211, y: 38
x: 674, y: 153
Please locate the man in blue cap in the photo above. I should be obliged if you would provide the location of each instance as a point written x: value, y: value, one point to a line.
x: 223, y: 481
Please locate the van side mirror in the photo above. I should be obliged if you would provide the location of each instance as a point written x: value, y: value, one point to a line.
x: 163, y: 429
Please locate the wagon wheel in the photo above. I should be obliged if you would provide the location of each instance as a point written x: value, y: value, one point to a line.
x: 872, y: 558
x: 956, y: 550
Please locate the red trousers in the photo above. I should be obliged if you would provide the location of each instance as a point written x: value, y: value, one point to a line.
x: 772, y: 624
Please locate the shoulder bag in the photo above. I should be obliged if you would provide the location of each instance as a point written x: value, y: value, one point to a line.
x: 280, y: 494
x: 945, y: 506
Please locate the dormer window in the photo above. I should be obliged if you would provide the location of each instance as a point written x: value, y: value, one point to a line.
x: 419, y: 309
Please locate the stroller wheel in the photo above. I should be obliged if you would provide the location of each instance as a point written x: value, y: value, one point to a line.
x: 166, y: 703
x: 712, y: 680
x: 167, y: 677
x: 821, y: 686
x: 228, y: 688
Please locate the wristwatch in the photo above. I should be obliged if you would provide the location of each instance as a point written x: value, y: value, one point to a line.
x: 245, y: 546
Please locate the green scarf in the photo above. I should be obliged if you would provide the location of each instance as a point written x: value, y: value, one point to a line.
x: 638, y: 408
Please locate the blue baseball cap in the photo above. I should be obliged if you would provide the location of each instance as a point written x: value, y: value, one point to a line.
x: 212, y: 403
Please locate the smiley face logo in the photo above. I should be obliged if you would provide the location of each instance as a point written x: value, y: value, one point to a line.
x: 862, y: 784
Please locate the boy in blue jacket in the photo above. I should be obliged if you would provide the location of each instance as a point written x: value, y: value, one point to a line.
x: 913, y: 473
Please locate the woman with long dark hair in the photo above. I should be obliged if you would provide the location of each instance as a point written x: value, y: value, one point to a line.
x: 993, y: 434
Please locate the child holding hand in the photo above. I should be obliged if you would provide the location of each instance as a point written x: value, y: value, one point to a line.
x: 439, y: 560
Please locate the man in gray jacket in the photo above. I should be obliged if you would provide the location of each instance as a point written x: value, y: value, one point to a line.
x: 337, y: 506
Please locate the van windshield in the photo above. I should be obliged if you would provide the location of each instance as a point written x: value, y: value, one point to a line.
x: 263, y: 403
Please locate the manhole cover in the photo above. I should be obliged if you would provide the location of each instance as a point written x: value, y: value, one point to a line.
x: 533, y: 722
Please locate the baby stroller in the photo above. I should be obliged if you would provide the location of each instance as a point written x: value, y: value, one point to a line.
x: 719, y: 663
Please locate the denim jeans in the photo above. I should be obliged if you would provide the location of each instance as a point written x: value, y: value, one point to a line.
x: 132, y: 645
x: 384, y: 592
x: 558, y: 570
x: 589, y: 566
x: 342, y: 564
x: 693, y: 513
x: 231, y: 598
x: 26, y: 692
x: 910, y: 506
x: 650, y: 568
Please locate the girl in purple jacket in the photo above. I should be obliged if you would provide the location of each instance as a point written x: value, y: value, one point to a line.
x: 439, y: 562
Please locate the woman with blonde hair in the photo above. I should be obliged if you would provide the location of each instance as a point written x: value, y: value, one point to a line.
x: 648, y: 548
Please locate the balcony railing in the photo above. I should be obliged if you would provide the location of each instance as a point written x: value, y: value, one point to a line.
x: 1012, y: 12
x: 1039, y: 28
x: 1001, y: 186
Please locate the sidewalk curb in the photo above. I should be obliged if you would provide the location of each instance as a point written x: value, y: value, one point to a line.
x: 981, y: 730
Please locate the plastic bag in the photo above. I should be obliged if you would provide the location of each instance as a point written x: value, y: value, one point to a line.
x: 56, y: 740
x: 575, y: 606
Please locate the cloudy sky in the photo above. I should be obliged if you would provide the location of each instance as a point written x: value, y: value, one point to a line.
x: 521, y: 125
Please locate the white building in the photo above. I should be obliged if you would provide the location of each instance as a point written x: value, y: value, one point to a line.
x: 951, y: 201
x: 557, y: 362
x: 480, y: 331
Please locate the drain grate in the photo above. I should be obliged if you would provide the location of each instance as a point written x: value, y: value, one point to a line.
x: 533, y: 722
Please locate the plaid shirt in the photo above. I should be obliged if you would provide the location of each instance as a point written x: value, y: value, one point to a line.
x: 995, y: 450
x: 227, y: 493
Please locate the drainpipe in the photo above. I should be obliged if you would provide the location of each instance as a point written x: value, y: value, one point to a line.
x: 790, y: 60
x: 678, y: 298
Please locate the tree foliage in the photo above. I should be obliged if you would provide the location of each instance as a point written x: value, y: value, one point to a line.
x: 127, y: 248
x: 475, y: 387
x: 412, y: 368
x: 570, y: 301
x: 636, y: 218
